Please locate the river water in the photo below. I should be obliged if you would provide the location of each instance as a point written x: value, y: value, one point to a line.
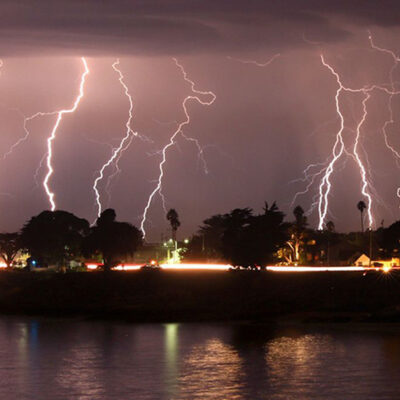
x: 67, y: 359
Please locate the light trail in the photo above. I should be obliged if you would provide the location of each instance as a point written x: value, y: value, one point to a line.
x: 350, y: 268
x: 123, y: 145
x: 197, y: 267
x: 53, y: 135
x: 228, y: 267
x: 181, y: 125
x: 174, y: 267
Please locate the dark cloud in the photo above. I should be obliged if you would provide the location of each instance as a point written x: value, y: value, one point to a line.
x: 180, y: 26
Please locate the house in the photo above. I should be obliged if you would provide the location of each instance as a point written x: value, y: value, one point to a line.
x: 364, y: 261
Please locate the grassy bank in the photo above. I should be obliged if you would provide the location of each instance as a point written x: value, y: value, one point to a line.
x: 198, y: 296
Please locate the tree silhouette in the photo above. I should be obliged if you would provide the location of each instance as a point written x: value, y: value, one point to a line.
x: 297, y: 235
x: 10, y: 244
x: 54, y: 237
x: 242, y: 238
x: 111, y: 240
x: 173, y: 218
x: 361, y: 207
x: 234, y: 241
x: 330, y: 226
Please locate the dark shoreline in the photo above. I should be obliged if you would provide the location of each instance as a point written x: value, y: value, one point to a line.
x: 204, y: 296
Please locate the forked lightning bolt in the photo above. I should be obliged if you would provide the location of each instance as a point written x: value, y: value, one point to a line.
x: 193, y: 97
x: 123, y: 145
x: 390, y: 121
x: 337, y: 151
x: 53, y: 134
x: 254, y: 62
x: 26, y: 130
x: 339, y: 147
x: 365, y: 184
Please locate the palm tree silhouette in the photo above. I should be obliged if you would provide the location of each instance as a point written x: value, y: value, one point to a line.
x: 361, y: 207
x: 173, y: 218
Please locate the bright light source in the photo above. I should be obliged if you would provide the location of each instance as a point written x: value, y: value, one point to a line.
x: 210, y: 267
x: 313, y: 269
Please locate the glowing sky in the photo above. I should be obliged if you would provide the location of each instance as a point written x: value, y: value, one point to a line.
x: 265, y: 126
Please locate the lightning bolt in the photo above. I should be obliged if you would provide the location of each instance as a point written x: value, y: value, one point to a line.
x: 365, y: 184
x: 257, y: 63
x: 339, y: 147
x: 390, y: 120
x: 337, y: 151
x: 53, y: 135
x: 123, y: 145
x: 179, y: 130
x: 26, y: 131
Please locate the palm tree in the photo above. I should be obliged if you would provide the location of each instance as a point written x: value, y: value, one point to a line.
x: 361, y: 207
x: 173, y: 218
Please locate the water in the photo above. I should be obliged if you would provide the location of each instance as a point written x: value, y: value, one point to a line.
x: 65, y: 359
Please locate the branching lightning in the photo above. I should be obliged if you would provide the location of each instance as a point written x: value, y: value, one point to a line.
x: 390, y: 121
x: 53, y: 134
x: 315, y: 171
x: 51, y: 138
x: 48, y: 155
x: 26, y: 131
x: 257, y: 63
x: 123, y: 145
x: 179, y: 130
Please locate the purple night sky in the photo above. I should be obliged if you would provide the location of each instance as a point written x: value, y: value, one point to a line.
x: 265, y: 127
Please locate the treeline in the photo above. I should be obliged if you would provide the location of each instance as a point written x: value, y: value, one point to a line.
x: 57, y: 237
x: 239, y: 237
x: 247, y: 239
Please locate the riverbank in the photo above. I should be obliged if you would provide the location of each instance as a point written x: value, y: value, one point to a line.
x: 164, y: 296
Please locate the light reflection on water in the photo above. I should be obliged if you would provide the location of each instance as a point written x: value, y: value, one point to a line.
x: 65, y: 359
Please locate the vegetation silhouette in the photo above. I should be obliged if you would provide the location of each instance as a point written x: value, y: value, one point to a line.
x: 111, y: 239
x: 240, y: 237
x: 298, y: 235
x: 10, y: 244
x: 361, y: 206
x: 54, y: 237
x: 173, y: 218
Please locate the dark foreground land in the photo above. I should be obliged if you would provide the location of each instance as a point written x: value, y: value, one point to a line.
x: 204, y: 296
